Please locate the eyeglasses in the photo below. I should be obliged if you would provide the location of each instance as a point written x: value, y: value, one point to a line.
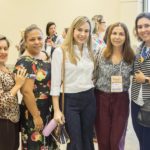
x: 146, y: 26
x: 103, y: 22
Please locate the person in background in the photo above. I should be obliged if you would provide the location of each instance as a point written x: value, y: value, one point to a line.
x: 36, y: 103
x: 21, y: 46
x: 80, y: 106
x: 99, y: 28
x: 140, y: 90
x: 65, y: 32
x: 52, y: 40
x: 112, y: 84
x: 9, y: 108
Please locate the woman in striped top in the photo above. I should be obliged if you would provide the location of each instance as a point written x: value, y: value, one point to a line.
x: 140, y: 90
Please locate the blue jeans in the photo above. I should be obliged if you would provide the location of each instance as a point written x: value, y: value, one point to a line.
x: 143, y: 133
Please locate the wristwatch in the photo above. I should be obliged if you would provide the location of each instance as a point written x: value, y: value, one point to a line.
x: 147, y: 80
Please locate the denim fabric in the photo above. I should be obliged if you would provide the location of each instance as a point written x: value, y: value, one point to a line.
x: 143, y: 133
x: 80, y: 109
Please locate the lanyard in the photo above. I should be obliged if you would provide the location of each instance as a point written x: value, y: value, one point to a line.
x: 120, y: 66
x: 145, y: 53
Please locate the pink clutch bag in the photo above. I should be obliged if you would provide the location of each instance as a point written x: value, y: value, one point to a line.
x: 49, y: 127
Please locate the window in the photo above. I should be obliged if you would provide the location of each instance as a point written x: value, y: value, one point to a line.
x: 146, y: 6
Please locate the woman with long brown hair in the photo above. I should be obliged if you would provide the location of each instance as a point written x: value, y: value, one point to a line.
x: 114, y: 70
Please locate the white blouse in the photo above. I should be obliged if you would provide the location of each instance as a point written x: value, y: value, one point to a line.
x: 78, y: 77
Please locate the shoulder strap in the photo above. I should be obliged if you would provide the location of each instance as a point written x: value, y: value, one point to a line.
x: 63, y: 79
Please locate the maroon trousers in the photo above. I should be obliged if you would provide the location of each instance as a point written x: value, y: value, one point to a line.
x: 111, y: 119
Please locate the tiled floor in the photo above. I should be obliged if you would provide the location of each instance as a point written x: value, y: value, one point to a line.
x: 131, y: 140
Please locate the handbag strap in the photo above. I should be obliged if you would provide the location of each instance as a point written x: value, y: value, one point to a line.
x: 63, y: 80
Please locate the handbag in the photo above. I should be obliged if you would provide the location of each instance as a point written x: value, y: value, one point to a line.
x: 143, y: 117
x: 60, y: 134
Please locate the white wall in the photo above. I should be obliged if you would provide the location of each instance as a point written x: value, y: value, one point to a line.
x: 17, y: 14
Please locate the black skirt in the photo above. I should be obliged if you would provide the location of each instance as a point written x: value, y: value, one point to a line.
x: 9, y: 135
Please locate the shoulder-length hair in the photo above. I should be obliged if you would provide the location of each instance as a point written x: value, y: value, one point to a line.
x: 69, y: 42
x: 127, y: 51
x: 97, y: 20
x: 49, y: 24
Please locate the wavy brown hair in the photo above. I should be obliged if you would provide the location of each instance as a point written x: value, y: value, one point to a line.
x: 127, y: 51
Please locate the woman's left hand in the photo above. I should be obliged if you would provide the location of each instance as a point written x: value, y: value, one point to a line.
x: 139, y: 77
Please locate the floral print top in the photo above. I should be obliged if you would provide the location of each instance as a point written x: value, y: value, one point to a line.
x: 9, y: 108
x: 106, y: 69
x: 37, y: 70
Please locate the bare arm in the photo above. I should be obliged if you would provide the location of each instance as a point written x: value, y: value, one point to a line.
x: 58, y: 116
x: 29, y: 99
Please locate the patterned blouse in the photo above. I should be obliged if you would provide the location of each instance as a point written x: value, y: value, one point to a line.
x: 9, y: 108
x: 106, y: 69
x: 38, y: 70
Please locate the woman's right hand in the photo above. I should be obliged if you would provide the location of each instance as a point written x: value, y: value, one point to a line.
x: 38, y: 123
x: 59, y: 117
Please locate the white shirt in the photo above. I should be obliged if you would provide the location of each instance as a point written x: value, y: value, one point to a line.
x: 78, y: 77
x: 58, y: 42
x: 139, y: 100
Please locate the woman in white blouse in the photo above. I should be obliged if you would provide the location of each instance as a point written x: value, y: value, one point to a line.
x: 79, y: 96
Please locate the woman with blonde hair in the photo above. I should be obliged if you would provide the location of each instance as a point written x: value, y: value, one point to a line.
x: 79, y: 104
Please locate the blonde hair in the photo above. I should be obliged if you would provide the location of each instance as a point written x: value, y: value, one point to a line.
x: 68, y: 44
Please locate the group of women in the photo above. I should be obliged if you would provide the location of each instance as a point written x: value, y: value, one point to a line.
x: 106, y: 106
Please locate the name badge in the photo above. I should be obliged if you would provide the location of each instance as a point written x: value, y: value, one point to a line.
x: 116, y: 84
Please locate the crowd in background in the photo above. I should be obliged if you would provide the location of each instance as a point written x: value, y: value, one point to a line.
x: 99, y: 70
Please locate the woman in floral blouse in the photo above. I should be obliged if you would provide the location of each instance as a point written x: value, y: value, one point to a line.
x: 113, y: 81
x: 36, y: 104
x: 9, y: 108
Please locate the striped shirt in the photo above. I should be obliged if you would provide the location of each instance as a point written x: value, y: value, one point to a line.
x: 145, y: 68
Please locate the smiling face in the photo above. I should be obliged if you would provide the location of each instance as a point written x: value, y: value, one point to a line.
x: 117, y: 37
x: 34, y: 42
x: 143, y: 29
x: 3, y: 51
x: 81, y: 34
